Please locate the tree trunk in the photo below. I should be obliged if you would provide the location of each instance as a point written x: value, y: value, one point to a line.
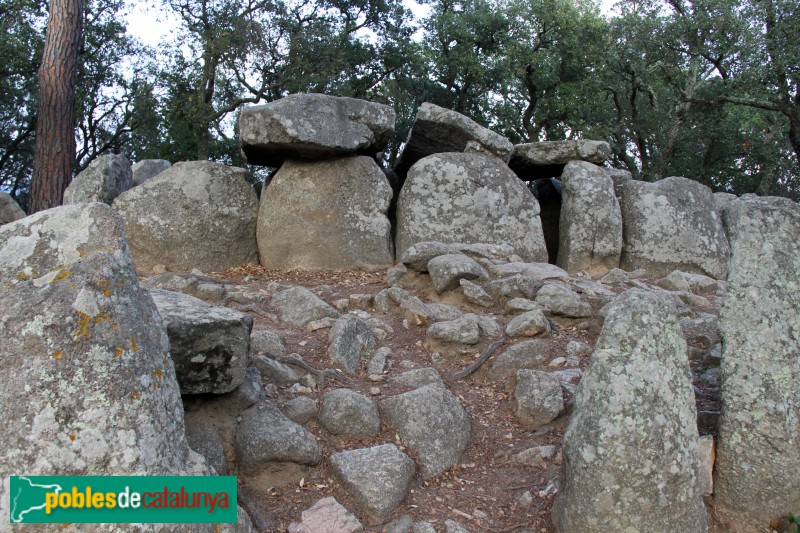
x: 54, y: 153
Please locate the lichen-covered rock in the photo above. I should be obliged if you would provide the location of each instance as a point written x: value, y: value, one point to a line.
x: 528, y: 354
x: 631, y: 450
x: 474, y: 293
x: 313, y: 126
x: 536, y: 271
x: 759, y: 430
x: 10, y: 210
x: 349, y: 415
x: 104, y: 179
x: 432, y: 423
x: 537, y: 398
x: 438, y: 130
x: 266, y: 436
x: 299, y: 306
x: 326, y: 215
x: 210, y: 346
x: 86, y: 349
x: 268, y: 342
x: 590, y: 231
x: 672, y: 224
x: 147, y: 168
x: 377, y: 478
x: 194, y: 215
x: 349, y: 340
x: 532, y: 161
x: 560, y: 300
x: 417, y: 256
x: 447, y: 270
x: 468, y: 198
x: 527, y: 324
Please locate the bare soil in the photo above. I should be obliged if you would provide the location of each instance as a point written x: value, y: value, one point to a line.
x: 485, y: 492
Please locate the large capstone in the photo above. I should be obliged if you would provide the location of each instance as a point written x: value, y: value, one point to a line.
x: 104, y: 179
x: 209, y: 345
x: 313, y: 126
x: 196, y: 214
x: 439, y: 130
x: 590, y: 235
x: 326, y: 215
x: 631, y: 450
x: 759, y: 430
x: 539, y: 160
x: 672, y: 224
x: 87, y: 386
x: 468, y: 198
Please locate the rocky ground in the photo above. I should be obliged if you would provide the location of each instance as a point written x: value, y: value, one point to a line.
x: 507, y: 477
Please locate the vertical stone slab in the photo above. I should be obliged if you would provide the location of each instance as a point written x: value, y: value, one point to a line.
x: 758, y: 457
x: 631, y: 450
x: 326, y: 215
x: 590, y: 236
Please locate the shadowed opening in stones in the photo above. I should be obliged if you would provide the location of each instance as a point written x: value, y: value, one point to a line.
x: 548, y: 192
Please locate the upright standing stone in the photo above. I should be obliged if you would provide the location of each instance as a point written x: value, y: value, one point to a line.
x: 104, y: 179
x: 590, y: 236
x: 312, y: 127
x: 631, y: 450
x: 672, y: 225
x: 759, y: 430
x: 196, y: 214
x: 87, y: 386
x: 326, y: 215
x: 468, y: 198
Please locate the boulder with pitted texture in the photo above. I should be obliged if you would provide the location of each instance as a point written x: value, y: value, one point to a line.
x: 104, y: 179
x: 672, y: 224
x: 631, y: 450
x: 326, y: 215
x: 87, y: 348
x: 468, y: 198
x: 194, y: 215
x: 759, y: 431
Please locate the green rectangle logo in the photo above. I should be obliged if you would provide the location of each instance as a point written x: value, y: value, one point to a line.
x: 122, y: 499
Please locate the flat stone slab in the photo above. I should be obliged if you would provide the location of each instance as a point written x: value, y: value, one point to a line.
x: 313, y: 126
x: 209, y: 345
x: 532, y: 161
x: 438, y: 130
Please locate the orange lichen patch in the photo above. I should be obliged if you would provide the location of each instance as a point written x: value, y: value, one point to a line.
x: 114, y: 326
x: 134, y: 346
x: 81, y: 251
x: 119, y: 352
x: 158, y: 375
x: 135, y: 395
x: 72, y: 437
x: 57, y: 354
x: 84, y: 321
x: 64, y: 274
x: 102, y: 316
x: 22, y: 276
x: 105, y: 287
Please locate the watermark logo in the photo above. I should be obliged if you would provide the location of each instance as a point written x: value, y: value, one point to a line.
x: 122, y: 499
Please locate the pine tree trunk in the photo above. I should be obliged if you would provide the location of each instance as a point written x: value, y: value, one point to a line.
x: 55, y: 129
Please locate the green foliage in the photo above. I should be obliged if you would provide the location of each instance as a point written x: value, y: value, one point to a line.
x: 708, y: 89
